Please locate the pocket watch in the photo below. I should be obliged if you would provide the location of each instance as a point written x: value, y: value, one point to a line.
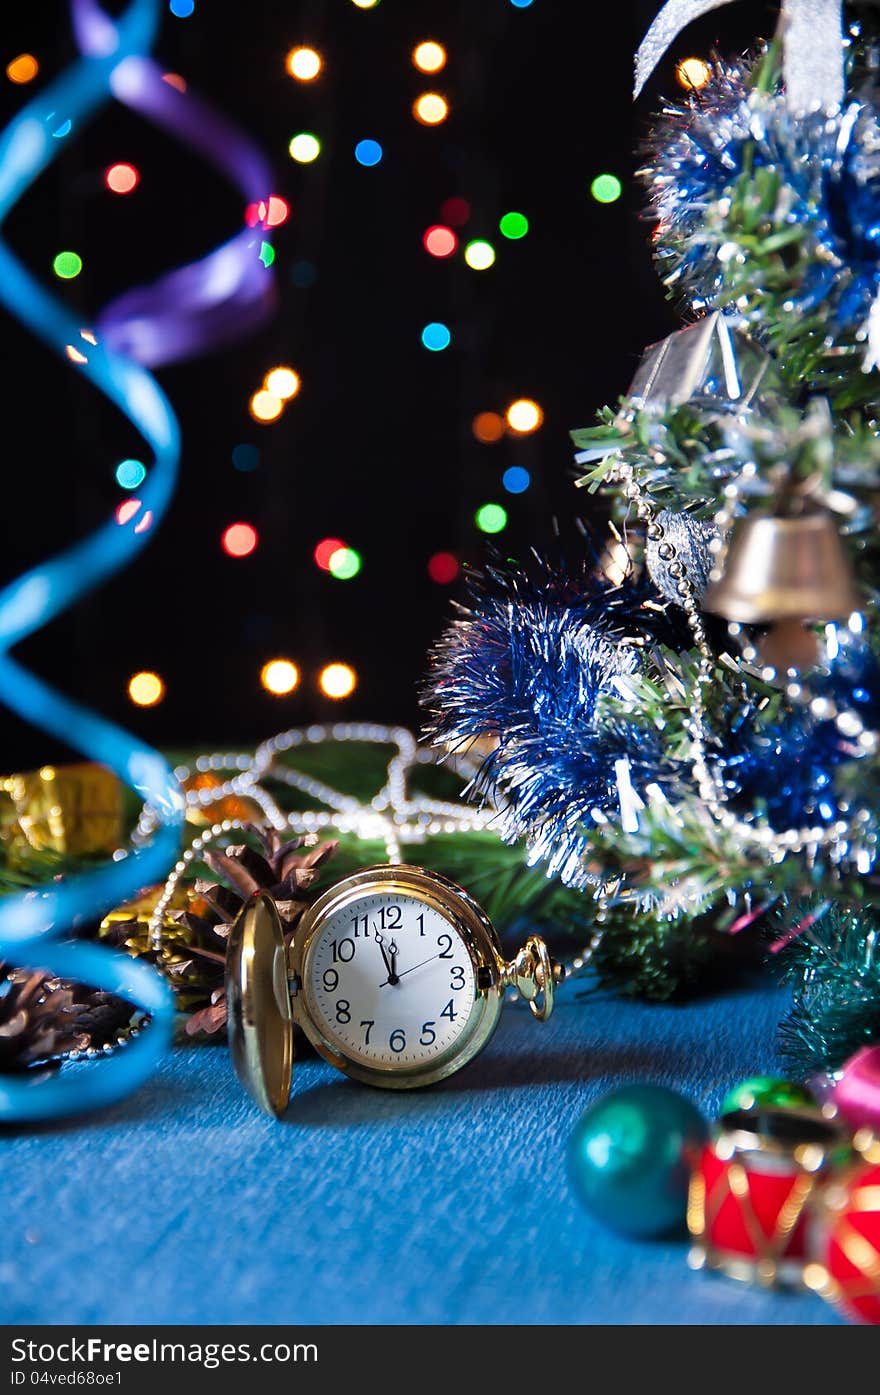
x: 395, y: 975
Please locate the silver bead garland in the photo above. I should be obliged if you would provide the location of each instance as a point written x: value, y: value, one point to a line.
x: 392, y: 815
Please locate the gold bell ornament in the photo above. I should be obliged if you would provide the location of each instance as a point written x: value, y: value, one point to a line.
x: 784, y: 570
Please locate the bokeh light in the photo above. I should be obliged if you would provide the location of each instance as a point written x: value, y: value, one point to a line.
x: 436, y: 336
x: 524, y: 416
x: 443, y: 568
x: 245, y: 457
x: 479, y: 254
x: 439, y: 241
x: 267, y: 253
x: 265, y: 406
x: 513, y: 225
x: 282, y: 382
x: 182, y: 9
x: 130, y: 473
x: 303, y: 274
x: 337, y: 680
x: 430, y: 109
x: 429, y: 57
x: 344, y: 563
x: 146, y: 688
x: 325, y: 550
x: 63, y: 130
x: 67, y: 265
x: 488, y: 427
x: 455, y: 211
x: 521, y: 4
x: 22, y: 69
x: 304, y: 64
x: 127, y: 510
x: 175, y: 80
x: 277, y: 211
x: 239, y: 540
x: 516, y: 479
x: 606, y: 188
x: 279, y: 676
x: 121, y: 179
x: 368, y: 153
x: 693, y: 73
x: 491, y: 518
x: 365, y: 4
x: 271, y: 212
x: 304, y: 148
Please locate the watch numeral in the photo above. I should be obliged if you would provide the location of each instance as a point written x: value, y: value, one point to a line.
x: 449, y: 1011
x: 397, y: 1040
x: 457, y: 977
x: 420, y: 922
x: 429, y: 1036
x: 343, y: 950
x: 331, y: 980
x: 342, y: 1011
x: 364, y: 922
x: 445, y: 942
x: 370, y: 1024
x: 389, y: 918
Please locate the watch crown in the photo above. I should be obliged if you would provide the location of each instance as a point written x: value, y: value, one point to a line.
x: 535, y: 976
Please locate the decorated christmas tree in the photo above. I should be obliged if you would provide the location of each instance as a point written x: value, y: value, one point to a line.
x: 685, y: 724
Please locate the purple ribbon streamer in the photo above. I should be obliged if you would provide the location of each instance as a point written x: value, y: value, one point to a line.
x: 226, y: 292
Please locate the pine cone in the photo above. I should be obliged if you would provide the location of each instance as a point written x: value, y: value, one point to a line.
x: 193, y: 978
x: 42, y: 1018
x: 281, y: 870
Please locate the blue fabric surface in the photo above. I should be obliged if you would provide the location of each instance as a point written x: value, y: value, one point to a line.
x: 449, y: 1205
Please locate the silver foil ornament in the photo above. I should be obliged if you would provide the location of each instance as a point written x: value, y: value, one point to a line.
x: 710, y: 363
x: 691, y: 538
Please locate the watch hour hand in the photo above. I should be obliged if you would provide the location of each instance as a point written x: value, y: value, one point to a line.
x: 388, y: 957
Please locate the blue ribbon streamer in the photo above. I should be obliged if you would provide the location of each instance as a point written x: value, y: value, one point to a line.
x: 31, y: 922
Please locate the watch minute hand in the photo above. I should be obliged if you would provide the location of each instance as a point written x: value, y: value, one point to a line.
x: 415, y: 966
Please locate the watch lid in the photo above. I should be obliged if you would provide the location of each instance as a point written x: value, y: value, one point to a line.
x: 259, y: 1018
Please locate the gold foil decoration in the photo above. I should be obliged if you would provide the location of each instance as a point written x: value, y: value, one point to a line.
x: 71, y: 809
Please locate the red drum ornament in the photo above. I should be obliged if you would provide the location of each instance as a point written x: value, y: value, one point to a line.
x: 748, y: 1199
x: 845, y: 1238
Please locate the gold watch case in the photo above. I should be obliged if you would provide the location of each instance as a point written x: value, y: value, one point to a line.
x: 469, y: 921
x: 258, y: 1017
x: 268, y: 985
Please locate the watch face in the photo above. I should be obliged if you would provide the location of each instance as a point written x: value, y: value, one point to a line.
x: 389, y: 981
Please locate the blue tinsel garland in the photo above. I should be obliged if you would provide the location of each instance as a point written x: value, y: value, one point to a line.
x: 527, y: 663
x: 828, y: 169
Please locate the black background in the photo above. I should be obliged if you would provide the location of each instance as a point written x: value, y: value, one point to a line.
x: 377, y: 448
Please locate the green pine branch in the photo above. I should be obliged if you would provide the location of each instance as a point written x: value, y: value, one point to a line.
x: 834, y: 971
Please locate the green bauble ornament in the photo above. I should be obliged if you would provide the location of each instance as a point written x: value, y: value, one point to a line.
x: 767, y: 1092
x: 631, y: 1155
